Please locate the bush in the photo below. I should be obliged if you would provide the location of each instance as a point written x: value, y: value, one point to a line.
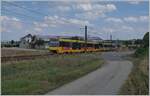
x: 144, y: 50
x: 146, y: 40
x: 141, y: 52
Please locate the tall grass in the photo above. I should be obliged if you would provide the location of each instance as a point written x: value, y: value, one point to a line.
x: 138, y: 81
x: 41, y: 76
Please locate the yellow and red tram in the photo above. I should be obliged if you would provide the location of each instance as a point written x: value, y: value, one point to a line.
x: 74, y: 46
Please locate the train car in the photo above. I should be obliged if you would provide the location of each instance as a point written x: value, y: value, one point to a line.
x: 72, y: 46
x: 108, y: 46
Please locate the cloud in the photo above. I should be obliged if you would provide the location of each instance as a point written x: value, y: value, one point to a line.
x: 134, y: 2
x: 104, y: 8
x: 79, y: 22
x: 127, y: 28
x: 38, y: 29
x: 64, y: 8
x: 84, y: 7
x: 10, y: 24
x: 92, y: 11
x: 90, y: 15
x: 112, y: 19
x: 53, y: 21
x: 4, y: 18
x: 144, y: 18
x: 95, y: 7
x: 136, y: 19
x: 132, y: 19
x: 15, y: 19
x: 44, y: 25
x: 56, y: 22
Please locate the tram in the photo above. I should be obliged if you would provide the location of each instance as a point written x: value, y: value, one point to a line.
x: 76, y: 46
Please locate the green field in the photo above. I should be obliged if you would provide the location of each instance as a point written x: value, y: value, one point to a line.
x: 41, y: 76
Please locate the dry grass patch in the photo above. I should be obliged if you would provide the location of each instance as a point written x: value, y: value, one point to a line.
x: 138, y: 80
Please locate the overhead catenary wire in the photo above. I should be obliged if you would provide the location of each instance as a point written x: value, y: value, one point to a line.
x: 23, y: 22
x: 93, y: 33
x: 21, y: 14
x: 27, y: 9
x: 36, y: 12
x: 30, y: 10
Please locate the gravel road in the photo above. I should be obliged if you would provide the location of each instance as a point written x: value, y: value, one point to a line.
x: 106, y: 80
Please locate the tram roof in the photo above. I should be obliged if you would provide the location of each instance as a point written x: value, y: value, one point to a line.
x: 79, y: 41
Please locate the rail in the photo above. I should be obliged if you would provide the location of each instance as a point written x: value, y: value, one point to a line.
x: 23, y: 57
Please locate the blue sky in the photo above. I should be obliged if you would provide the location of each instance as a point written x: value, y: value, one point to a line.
x: 123, y: 19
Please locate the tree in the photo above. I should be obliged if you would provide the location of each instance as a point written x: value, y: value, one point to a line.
x: 146, y: 40
x: 33, y: 42
x: 138, y: 41
x: 127, y: 42
x: 39, y: 42
x: 12, y: 43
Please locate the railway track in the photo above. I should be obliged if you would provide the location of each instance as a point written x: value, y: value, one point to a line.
x: 23, y: 57
x: 6, y: 59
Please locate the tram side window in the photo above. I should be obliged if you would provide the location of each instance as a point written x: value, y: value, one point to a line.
x: 53, y: 44
x: 89, y: 45
x: 109, y: 46
x: 100, y: 45
x: 96, y: 46
x: 64, y: 44
x: 82, y: 45
x: 76, y: 45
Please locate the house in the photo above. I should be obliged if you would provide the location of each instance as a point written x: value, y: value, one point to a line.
x: 25, y: 41
x: 36, y: 41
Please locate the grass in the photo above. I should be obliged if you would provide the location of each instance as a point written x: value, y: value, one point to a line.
x: 18, y: 52
x: 138, y: 80
x: 41, y: 76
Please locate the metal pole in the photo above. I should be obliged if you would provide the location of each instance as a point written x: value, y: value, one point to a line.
x: 85, y: 38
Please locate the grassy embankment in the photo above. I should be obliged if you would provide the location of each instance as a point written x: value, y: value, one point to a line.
x: 41, y: 76
x: 138, y: 80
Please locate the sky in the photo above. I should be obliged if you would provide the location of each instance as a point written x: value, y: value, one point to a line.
x: 122, y: 19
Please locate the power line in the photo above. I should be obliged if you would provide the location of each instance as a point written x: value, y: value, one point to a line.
x: 37, y: 12
x: 25, y: 22
x: 28, y: 9
x: 93, y: 33
x: 15, y: 12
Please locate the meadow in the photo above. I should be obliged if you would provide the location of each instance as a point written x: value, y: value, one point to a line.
x: 43, y: 75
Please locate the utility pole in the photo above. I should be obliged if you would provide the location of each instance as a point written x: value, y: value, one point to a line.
x: 85, y: 38
x: 110, y: 37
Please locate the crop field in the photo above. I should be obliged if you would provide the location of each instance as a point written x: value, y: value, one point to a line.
x: 42, y: 75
